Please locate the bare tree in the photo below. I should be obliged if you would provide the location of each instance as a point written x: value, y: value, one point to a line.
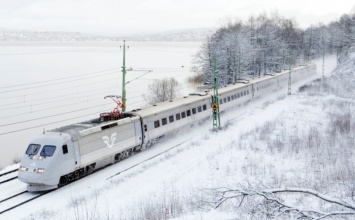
x: 162, y: 90
x: 277, y: 207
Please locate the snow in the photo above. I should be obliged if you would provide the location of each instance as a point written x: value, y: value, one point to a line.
x: 175, y: 184
x: 57, y: 91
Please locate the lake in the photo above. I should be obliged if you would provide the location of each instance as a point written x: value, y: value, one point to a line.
x: 45, y: 85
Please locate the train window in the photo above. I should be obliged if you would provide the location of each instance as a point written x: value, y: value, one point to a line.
x: 221, y: 101
x: 47, y: 151
x: 188, y: 113
x: 183, y: 114
x: 241, y: 94
x: 245, y: 92
x: 156, y: 124
x: 109, y: 126
x: 232, y: 97
x: 229, y: 98
x: 177, y: 116
x: 204, y: 107
x: 194, y: 111
x: 65, y: 149
x: 225, y: 100
x: 33, y: 149
x: 199, y: 109
x: 171, y: 118
x: 238, y: 95
x: 164, y: 121
x: 248, y: 92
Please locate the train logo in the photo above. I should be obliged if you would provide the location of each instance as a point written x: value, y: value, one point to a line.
x: 110, y: 142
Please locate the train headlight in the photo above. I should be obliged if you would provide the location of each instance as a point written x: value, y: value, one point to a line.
x: 22, y: 168
x: 40, y: 158
x: 40, y: 170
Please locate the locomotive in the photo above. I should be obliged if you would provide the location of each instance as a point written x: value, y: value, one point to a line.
x: 63, y: 155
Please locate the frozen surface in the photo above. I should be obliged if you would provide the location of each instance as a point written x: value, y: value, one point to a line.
x: 32, y: 99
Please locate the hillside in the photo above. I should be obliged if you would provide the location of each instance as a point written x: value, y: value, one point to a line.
x: 177, y: 35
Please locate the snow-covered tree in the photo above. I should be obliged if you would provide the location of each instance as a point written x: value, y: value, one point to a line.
x: 265, y: 44
x: 162, y: 90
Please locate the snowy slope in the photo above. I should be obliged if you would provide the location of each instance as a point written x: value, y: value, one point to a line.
x: 266, y: 143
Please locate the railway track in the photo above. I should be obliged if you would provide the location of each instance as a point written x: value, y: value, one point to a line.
x: 13, y: 193
x: 17, y: 200
x: 8, y: 172
x: 8, y: 176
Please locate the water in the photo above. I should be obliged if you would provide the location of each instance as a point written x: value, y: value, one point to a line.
x: 45, y: 85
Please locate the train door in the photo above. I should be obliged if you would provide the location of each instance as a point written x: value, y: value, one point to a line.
x: 67, y: 156
x: 145, y: 131
x: 252, y: 91
x: 76, y: 154
x: 138, y: 132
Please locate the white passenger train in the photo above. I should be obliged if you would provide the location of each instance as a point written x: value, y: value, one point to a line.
x: 66, y: 154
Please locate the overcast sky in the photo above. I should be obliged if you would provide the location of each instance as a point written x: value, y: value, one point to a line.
x: 136, y: 16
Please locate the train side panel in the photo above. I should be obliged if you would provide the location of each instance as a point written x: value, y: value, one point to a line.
x: 236, y: 97
x: 101, y: 147
x: 175, y: 117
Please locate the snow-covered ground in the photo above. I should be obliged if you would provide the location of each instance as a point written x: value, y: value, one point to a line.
x: 305, y: 140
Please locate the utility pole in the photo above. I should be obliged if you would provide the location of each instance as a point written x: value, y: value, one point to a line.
x: 323, y: 51
x: 215, y: 107
x: 264, y: 61
x: 123, y: 105
x: 239, y: 60
x: 236, y: 75
x: 289, y: 75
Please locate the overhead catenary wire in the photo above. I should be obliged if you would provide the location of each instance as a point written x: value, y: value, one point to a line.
x: 155, y: 72
x: 63, y: 95
x: 51, y: 123
x: 55, y: 98
x: 59, y: 100
x: 38, y: 85
x: 67, y: 119
x: 114, y: 80
x: 67, y: 105
x: 55, y: 115
x: 60, y: 89
x: 64, y: 78
x: 37, y: 126
x: 51, y: 84
x: 42, y: 110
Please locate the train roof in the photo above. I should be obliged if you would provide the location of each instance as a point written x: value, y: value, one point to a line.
x: 164, y: 106
x: 92, y: 126
x: 89, y: 125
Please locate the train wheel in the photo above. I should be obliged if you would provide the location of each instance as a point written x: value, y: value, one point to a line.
x: 90, y: 169
x: 82, y: 173
x: 63, y: 181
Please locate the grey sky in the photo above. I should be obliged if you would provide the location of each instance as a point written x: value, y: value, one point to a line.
x: 131, y: 16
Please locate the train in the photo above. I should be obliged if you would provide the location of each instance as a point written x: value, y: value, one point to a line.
x: 63, y: 155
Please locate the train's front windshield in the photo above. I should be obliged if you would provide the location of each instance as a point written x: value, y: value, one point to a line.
x: 33, y: 149
x: 48, y: 151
